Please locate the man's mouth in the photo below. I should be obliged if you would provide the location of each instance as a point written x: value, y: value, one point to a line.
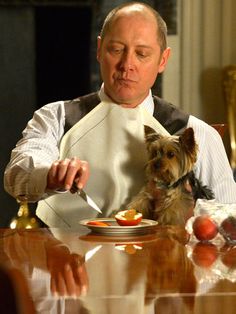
x: 126, y: 78
x: 126, y: 81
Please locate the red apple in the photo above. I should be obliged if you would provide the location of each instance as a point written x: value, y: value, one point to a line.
x: 129, y: 217
x: 228, y: 228
x: 228, y: 256
x: 204, y: 228
x: 204, y: 254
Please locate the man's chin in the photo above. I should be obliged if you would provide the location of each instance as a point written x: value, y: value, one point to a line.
x: 126, y: 103
x: 125, y: 99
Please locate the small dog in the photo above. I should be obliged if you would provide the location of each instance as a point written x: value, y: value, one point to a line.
x: 171, y: 189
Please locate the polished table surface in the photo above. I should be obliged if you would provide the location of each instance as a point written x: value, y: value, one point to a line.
x: 75, y: 271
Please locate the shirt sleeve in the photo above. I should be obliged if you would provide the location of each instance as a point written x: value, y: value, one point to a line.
x: 26, y: 173
x: 212, y: 166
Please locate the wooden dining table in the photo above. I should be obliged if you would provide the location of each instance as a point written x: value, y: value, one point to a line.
x: 162, y: 270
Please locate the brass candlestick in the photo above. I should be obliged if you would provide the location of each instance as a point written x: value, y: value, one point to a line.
x: 229, y: 83
x: 24, y: 219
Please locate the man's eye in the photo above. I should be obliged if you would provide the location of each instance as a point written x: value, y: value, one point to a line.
x: 170, y: 154
x: 141, y: 54
x: 115, y: 50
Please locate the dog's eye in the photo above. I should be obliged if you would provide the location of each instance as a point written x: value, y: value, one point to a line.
x: 153, y: 156
x: 170, y: 154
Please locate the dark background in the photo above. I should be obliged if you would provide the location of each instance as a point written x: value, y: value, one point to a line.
x: 48, y: 53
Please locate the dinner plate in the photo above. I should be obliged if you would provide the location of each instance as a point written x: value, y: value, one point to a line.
x: 145, y: 226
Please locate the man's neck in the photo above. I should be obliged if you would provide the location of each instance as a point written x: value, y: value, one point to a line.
x: 147, y: 103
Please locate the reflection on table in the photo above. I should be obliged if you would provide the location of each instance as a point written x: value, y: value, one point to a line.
x: 74, y: 271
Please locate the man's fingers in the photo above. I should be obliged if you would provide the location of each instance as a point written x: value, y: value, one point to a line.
x: 72, y: 279
x: 52, y: 176
x: 69, y: 281
x: 84, y: 174
x: 62, y: 170
x: 53, y: 285
x: 63, y: 173
x: 83, y: 278
x: 53, y: 170
x: 80, y: 274
x: 57, y: 284
x: 73, y: 171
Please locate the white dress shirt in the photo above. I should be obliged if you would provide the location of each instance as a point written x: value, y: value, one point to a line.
x: 33, y: 155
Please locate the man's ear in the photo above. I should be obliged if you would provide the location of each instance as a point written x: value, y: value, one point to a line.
x: 98, y: 47
x: 164, y: 58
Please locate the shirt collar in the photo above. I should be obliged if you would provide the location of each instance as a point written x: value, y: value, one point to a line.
x: 147, y: 103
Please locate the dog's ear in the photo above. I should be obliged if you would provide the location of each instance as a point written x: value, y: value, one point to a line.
x: 188, y: 142
x: 150, y: 134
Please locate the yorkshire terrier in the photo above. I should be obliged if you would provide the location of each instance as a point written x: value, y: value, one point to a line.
x: 171, y: 189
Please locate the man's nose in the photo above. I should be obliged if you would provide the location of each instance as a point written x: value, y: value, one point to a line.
x: 127, y: 62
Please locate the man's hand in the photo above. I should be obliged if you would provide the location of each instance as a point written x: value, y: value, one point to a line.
x: 63, y: 173
x: 68, y: 272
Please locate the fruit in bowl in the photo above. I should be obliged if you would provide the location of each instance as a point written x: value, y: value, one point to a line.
x: 129, y: 217
x: 205, y: 228
x: 228, y: 229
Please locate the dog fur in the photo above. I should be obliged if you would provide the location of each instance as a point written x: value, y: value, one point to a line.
x: 171, y: 187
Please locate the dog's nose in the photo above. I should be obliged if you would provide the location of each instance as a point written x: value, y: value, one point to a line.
x: 157, y: 164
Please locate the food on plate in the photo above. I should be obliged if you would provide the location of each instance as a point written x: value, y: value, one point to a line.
x: 228, y: 228
x: 129, y: 217
x: 98, y: 223
x: 204, y: 254
x: 205, y: 228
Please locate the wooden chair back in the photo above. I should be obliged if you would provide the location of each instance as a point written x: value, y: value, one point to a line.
x: 220, y: 127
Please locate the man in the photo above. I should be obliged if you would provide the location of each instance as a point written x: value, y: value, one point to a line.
x: 103, y: 131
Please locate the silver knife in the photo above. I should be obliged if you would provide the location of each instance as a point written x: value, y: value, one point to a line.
x: 88, y: 200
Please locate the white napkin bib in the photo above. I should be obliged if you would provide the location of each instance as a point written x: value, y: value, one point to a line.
x: 111, y: 139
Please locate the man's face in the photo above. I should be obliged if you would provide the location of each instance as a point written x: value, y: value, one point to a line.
x: 130, y: 58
